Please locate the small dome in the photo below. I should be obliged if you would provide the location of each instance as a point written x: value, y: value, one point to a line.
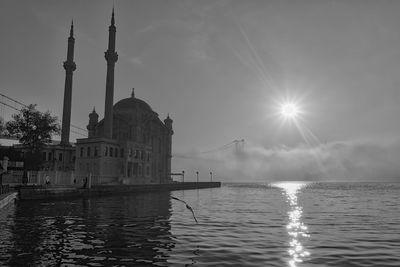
x: 132, y: 103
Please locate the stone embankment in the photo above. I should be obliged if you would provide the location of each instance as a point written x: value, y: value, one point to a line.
x: 48, y: 192
x: 7, y: 198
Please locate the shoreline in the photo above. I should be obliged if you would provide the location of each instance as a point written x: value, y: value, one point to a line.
x: 34, y: 192
x: 6, y: 199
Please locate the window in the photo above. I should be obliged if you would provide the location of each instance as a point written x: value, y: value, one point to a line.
x: 147, y: 170
x: 50, y: 156
x: 130, y: 152
x: 111, y: 151
x: 122, y: 152
x: 137, y: 154
x: 88, y: 152
x: 60, y: 157
x: 81, y: 151
x: 135, y: 169
x: 95, y: 151
x: 142, y: 155
x: 44, y: 155
x: 116, y: 152
x: 133, y: 133
x: 106, y: 151
x: 122, y: 169
x: 140, y: 170
x: 148, y: 156
x: 129, y: 169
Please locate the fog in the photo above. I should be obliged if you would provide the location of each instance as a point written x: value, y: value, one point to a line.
x: 357, y: 160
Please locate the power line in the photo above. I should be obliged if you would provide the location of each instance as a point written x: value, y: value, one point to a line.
x: 1, y: 102
x: 24, y: 105
x: 72, y: 131
x: 16, y: 101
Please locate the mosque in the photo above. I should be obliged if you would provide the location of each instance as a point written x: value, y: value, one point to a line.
x: 130, y: 145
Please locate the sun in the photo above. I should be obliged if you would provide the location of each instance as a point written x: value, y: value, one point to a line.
x: 289, y: 110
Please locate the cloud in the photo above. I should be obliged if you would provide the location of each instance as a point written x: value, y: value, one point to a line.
x: 136, y: 61
x: 345, y: 161
x: 190, y: 26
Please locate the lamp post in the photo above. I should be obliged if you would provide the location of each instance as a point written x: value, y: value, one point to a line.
x: 211, y: 176
x: 197, y: 174
x: 183, y: 176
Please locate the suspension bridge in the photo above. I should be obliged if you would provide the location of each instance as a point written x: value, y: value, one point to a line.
x: 237, y: 145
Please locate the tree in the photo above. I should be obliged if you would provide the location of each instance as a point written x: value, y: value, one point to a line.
x: 2, y: 126
x: 34, y: 129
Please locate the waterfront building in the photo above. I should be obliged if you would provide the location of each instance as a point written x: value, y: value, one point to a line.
x: 58, y: 155
x: 130, y: 145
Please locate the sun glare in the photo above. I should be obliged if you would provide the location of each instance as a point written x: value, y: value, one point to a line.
x: 289, y: 110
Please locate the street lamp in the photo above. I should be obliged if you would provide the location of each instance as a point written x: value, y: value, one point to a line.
x: 183, y: 176
x: 211, y: 176
x: 197, y: 174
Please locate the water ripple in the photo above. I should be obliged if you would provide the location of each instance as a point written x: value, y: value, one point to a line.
x: 320, y: 224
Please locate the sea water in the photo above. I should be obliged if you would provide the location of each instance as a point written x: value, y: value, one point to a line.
x: 247, y: 224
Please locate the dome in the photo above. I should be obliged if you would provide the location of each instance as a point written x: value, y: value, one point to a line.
x: 132, y: 103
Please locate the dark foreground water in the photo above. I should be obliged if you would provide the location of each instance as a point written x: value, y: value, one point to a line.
x: 287, y: 224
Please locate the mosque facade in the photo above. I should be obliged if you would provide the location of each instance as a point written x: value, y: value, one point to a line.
x: 130, y: 145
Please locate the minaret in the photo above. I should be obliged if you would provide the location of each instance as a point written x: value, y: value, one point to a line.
x: 168, y: 124
x: 111, y: 57
x: 69, y: 66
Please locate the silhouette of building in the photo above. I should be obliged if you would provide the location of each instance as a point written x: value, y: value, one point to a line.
x: 60, y: 155
x: 131, y: 145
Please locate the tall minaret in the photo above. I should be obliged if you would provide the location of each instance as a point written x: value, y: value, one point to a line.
x: 111, y: 57
x: 168, y: 124
x: 69, y: 66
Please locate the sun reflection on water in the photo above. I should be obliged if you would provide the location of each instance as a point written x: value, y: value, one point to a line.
x: 297, y: 230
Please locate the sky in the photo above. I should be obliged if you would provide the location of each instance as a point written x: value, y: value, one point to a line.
x: 220, y: 69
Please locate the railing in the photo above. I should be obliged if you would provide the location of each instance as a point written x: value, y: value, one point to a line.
x: 4, y: 189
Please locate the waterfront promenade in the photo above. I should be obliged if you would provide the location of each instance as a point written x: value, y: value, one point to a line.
x: 57, y: 192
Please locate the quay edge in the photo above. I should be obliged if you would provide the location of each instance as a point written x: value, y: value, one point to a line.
x: 7, y: 199
x: 47, y: 193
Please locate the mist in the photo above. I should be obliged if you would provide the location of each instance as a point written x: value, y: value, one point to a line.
x: 357, y: 160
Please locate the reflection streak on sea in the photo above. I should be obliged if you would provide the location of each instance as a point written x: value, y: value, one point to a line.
x: 296, y: 229
x: 350, y: 224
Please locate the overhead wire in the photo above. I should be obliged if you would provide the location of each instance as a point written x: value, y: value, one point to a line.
x: 24, y: 105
